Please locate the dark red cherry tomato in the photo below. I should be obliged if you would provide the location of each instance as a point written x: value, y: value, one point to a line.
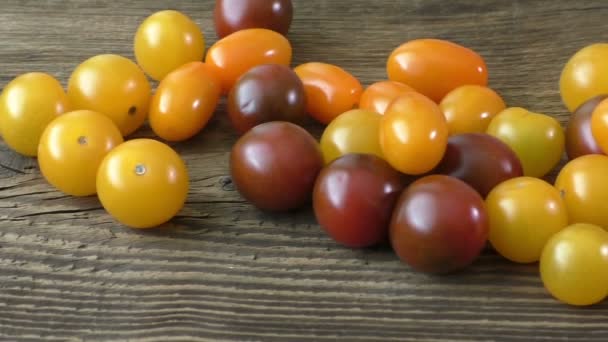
x: 274, y: 165
x: 579, y: 138
x: 439, y: 225
x: 354, y: 197
x: 269, y: 92
x: 234, y: 15
x: 480, y: 160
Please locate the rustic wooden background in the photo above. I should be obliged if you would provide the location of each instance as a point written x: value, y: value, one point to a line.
x: 224, y: 271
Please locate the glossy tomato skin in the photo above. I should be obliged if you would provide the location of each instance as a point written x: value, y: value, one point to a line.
x: 27, y: 104
x: 379, y: 95
x: 166, y: 40
x: 354, y: 197
x: 234, y: 15
x: 599, y: 125
x: 184, y: 102
x: 579, y: 137
x: 537, y: 139
x: 269, y: 92
x: 142, y: 183
x: 574, y: 265
x: 470, y: 108
x: 355, y: 131
x: 275, y: 164
x: 585, y: 75
x: 434, y: 67
x: 524, y: 213
x: 330, y: 90
x: 235, y: 54
x: 112, y: 85
x: 480, y: 160
x: 583, y: 186
x: 413, y: 134
x: 73, y: 146
x: 439, y: 225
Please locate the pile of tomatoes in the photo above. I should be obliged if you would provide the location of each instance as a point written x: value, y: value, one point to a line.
x: 431, y: 159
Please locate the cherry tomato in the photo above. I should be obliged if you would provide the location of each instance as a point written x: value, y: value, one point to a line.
x: 574, y: 265
x: 582, y: 183
x: 379, y: 95
x: 27, y: 104
x: 354, y: 197
x: 184, y: 102
x: 112, y: 85
x: 269, y: 92
x: 439, y: 225
x: 275, y: 164
x: 167, y: 40
x: 72, y: 148
x: 470, y: 108
x: 330, y: 90
x: 142, y: 183
x: 235, y: 54
x: 235, y: 15
x: 355, y: 131
x: 579, y: 137
x: 599, y: 125
x: 434, y: 67
x: 480, y: 160
x: 537, y: 139
x: 524, y: 213
x: 413, y: 134
x: 585, y: 75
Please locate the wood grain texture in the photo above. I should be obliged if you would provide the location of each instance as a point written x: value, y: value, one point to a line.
x: 222, y: 270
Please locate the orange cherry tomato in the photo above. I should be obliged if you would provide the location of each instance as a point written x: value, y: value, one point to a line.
x: 584, y: 76
x: 184, y: 102
x: 470, y: 108
x: 240, y: 51
x: 379, y: 95
x: 434, y: 67
x: 413, y: 134
x: 72, y: 147
x: 599, y: 125
x: 330, y: 90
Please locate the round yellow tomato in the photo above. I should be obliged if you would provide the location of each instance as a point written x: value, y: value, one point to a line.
x: 27, y: 104
x: 585, y: 75
x: 470, y: 108
x: 355, y: 131
x: 584, y: 187
x: 167, y: 40
x: 112, y: 85
x: 413, y: 134
x: 538, y: 140
x: 524, y: 213
x: 142, y: 183
x: 184, y: 101
x: 574, y: 265
x: 72, y: 147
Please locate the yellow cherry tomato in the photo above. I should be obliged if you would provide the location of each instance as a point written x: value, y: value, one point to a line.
x: 72, y: 147
x: 184, y: 101
x: 538, y: 139
x: 599, y: 125
x: 413, y: 134
x: 574, y: 265
x: 470, y: 108
x: 167, y: 40
x: 27, y: 104
x: 112, y: 85
x: 524, y: 213
x: 584, y: 186
x: 355, y: 131
x: 142, y: 183
x: 585, y: 75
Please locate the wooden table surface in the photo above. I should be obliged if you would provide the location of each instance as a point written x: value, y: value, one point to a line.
x: 222, y: 270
